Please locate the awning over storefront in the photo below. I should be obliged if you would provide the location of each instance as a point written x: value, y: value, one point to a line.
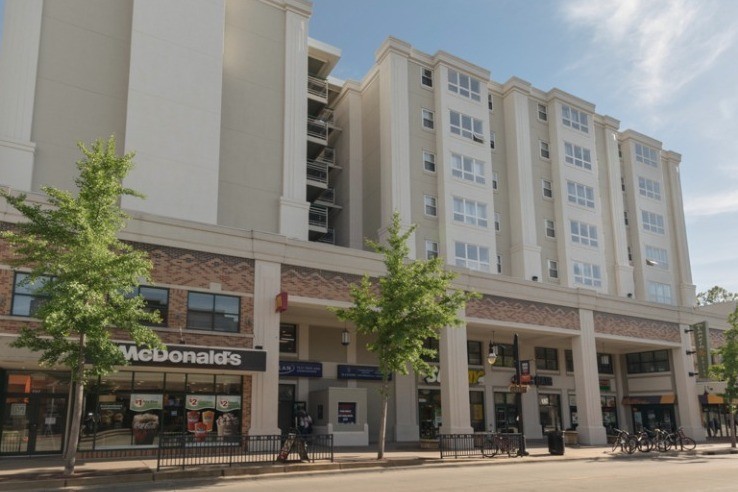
x: 710, y: 399
x: 668, y: 399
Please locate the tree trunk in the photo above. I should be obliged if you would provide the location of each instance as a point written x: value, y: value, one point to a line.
x: 383, y: 419
x: 70, y: 454
x: 732, y: 428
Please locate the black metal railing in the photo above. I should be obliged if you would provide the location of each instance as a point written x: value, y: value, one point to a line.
x: 187, y: 450
x: 471, y: 445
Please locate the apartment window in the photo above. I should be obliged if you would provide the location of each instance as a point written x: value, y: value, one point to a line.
x: 587, y: 274
x: 625, y: 217
x: 577, y: 156
x: 428, y: 119
x: 495, y: 181
x: 545, y: 153
x: 470, y: 212
x: 474, y: 353
x: 467, y: 168
x: 542, y: 112
x: 429, y: 203
x: 426, y: 77
x: 569, y: 360
x: 575, y: 119
x: 429, y: 161
x: 287, y: 338
x: 213, y: 312
x: 498, y: 222
x: 466, y: 126
x: 550, y: 228
x: 547, y: 188
x: 492, y: 140
x: 155, y: 299
x: 26, y: 296
x: 584, y: 234
x: 464, y: 85
x: 658, y: 292
x: 431, y: 249
x: 645, y: 362
x: 553, y: 269
x: 490, y: 106
x: 604, y: 364
x: 547, y: 359
x: 622, y: 184
x: 657, y: 257
x: 580, y: 194
x: 630, y: 254
x: 646, y: 155
x: 505, y: 356
x: 499, y: 263
x: 652, y: 222
x: 649, y: 188
x: 472, y: 256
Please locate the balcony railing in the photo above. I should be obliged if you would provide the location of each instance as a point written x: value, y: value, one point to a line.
x: 329, y: 237
x: 317, y: 128
x: 317, y: 171
x: 327, y: 196
x: 327, y: 155
x: 317, y: 87
x: 318, y: 216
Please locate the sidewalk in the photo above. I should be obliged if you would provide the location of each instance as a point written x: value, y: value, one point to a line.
x: 45, y: 473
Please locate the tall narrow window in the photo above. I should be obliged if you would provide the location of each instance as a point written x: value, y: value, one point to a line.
x: 426, y: 77
x: 547, y: 188
x: 553, y: 269
x: 429, y: 161
x: 428, y: 119
x: 430, y: 205
x: 499, y: 263
x: 431, y: 249
x: 490, y: 106
x: 498, y: 222
x: 495, y: 181
x: 550, y: 228
x: 492, y: 140
x: 545, y: 153
x: 542, y: 112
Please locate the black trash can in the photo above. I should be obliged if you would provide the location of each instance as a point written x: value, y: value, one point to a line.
x: 556, y: 442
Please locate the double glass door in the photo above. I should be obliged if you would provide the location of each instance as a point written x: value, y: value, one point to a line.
x: 33, y: 424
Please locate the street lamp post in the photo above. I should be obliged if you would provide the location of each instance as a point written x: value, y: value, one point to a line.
x: 519, y: 396
x: 491, y: 359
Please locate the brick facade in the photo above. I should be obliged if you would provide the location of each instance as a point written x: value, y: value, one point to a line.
x: 629, y: 326
x: 318, y: 284
x: 519, y: 311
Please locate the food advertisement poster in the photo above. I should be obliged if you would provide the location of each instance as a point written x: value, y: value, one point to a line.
x: 144, y: 403
x: 227, y: 403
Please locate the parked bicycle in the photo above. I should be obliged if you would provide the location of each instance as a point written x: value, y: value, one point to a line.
x: 626, y: 442
x: 646, y: 441
x: 677, y: 440
x: 495, y: 444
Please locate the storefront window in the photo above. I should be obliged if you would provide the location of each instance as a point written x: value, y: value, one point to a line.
x: 429, y: 409
x: 127, y: 409
x: 506, y: 413
x: 476, y: 409
x: 37, y: 382
x: 549, y: 409
x: 609, y: 414
x: 287, y: 338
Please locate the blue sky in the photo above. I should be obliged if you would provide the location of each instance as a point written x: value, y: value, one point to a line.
x: 665, y: 68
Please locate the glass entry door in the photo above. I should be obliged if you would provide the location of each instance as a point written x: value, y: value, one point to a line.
x: 33, y: 424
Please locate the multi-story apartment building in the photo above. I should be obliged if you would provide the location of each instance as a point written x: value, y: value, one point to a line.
x: 263, y: 176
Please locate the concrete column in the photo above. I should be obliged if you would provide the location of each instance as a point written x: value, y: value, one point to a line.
x: 587, y: 383
x: 688, y: 404
x: 18, y: 69
x: 265, y: 387
x: 624, y: 280
x: 687, y: 290
x: 394, y: 116
x: 525, y: 251
x: 454, y: 382
x: 293, y: 206
x: 406, y: 408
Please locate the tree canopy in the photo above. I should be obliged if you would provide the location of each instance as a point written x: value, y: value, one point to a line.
x: 715, y: 295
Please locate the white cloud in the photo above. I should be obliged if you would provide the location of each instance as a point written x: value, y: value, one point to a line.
x: 712, y: 204
x: 666, y: 43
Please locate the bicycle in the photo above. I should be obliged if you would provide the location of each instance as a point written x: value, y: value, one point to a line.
x: 495, y: 444
x: 679, y: 440
x: 626, y: 442
x: 645, y: 442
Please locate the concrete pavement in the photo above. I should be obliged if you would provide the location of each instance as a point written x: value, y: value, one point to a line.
x: 45, y: 473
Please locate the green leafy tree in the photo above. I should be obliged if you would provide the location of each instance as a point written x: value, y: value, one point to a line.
x: 715, y: 295
x: 408, y: 305
x: 727, y: 370
x: 86, y: 274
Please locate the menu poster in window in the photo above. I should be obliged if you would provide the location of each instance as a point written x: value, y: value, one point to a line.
x: 145, y: 423
x: 346, y: 412
x: 200, y: 422
x: 228, y: 403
